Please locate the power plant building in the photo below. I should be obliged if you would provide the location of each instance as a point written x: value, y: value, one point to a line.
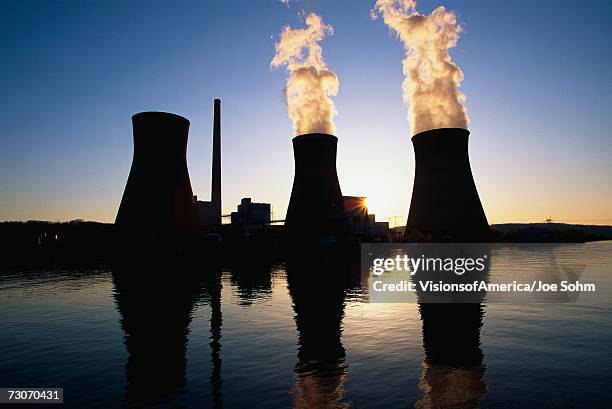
x: 251, y: 213
x: 355, y: 208
x: 207, y: 212
x: 361, y: 222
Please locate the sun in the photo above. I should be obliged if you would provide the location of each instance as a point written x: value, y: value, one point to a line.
x: 364, y: 202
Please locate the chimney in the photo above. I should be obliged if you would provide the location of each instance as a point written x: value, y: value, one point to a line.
x: 215, y: 195
x: 445, y: 202
x: 315, y: 208
x: 158, y: 200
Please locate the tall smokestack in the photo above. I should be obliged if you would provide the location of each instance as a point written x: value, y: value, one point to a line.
x: 315, y: 208
x: 445, y: 202
x: 215, y: 195
x: 158, y: 200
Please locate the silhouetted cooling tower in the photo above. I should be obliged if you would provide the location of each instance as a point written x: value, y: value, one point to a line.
x: 158, y: 201
x: 445, y: 202
x: 315, y: 208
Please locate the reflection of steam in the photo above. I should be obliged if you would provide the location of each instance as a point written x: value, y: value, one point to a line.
x: 431, y: 87
x: 310, y: 84
x: 555, y: 271
x: 320, y: 384
x: 448, y: 387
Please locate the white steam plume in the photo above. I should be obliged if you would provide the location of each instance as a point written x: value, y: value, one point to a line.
x: 431, y: 86
x: 310, y: 84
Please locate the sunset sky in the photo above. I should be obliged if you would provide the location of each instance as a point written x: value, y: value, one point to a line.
x: 538, y: 80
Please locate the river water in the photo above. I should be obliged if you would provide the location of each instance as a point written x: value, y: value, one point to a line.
x: 278, y: 335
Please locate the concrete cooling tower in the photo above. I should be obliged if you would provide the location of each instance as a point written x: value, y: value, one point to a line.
x: 315, y: 208
x: 158, y: 201
x: 445, y: 202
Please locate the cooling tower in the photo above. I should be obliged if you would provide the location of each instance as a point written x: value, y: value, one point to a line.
x: 315, y: 208
x: 158, y: 201
x: 445, y: 202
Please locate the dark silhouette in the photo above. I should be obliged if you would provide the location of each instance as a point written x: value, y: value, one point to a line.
x: 215, y: 196
x: 252, y: 277
x: 451, y: 333
x: 445, y: 202
x: 453, y: 374
x: 453, y: 371
x: 213, y: 285
x: 158, y: 202
x: 550, y: 233
x: 317, y: 285
x: 209, y: 212
x: 39, y: 245
x: 155, y: 316
x: 315, y: 208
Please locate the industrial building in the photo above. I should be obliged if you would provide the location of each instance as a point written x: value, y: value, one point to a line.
x: 355, y: 208
x: 362, y: 224
x: 251, y: 213
x: 207, y: 212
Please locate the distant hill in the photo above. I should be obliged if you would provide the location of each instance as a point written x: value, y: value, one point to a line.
x: 541, y: 232
x: 31, y: 243
x: 551, y: 232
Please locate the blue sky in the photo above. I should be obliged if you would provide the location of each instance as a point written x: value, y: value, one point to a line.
x: 538, y: 78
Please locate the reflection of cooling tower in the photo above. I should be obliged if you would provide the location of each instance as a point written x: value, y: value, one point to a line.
x: 156, y: 305
x: 158, y: 200
x: 453, y: 371
x: 321, y: 370
x: 315, y: 209
x: 445, y: 201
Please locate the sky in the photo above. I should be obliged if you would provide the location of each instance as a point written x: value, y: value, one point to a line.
x: 538, y: 81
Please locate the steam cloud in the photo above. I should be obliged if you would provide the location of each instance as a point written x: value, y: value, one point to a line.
x: 310, y: 84
x: 431, y: 86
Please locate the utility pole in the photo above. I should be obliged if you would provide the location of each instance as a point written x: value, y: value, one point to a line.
x: 394, y: 219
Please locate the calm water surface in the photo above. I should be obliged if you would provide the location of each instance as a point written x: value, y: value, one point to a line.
x: 271, y: 336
